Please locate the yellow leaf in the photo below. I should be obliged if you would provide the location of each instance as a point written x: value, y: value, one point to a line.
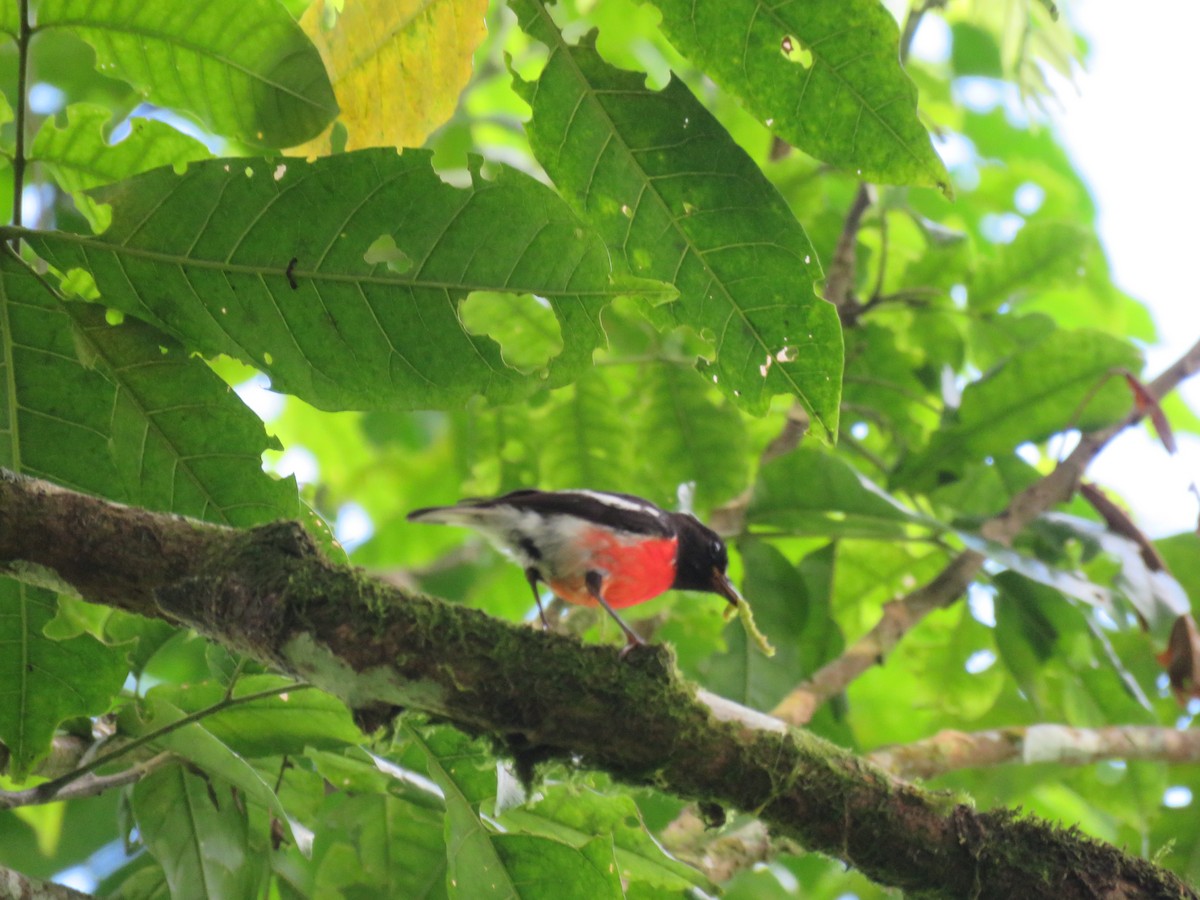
x: 397, y: 66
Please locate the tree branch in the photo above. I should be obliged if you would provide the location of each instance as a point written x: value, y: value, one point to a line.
x: 15, y: 886
x: 269, y: 592
x: 88, y: 785
x: 900, y: 616
x: 948, y: 751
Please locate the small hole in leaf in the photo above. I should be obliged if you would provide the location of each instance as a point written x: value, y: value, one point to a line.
x: 524, y: 325
x: 793, y: 50
x: 384, y: 250
x: 113, y: 316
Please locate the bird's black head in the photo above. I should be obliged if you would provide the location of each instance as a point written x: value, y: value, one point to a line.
x: 701, y: 560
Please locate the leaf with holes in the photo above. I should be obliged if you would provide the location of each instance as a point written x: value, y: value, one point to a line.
x: 397, y: 66
x: 824, y: 75
x: 676, y: 198
x: 78, y: 157
x: 242, y: 67
x: 42, y: 681
x: 284, y: 265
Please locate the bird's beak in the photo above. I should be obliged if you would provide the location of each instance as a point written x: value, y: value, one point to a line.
x: 723, y: 586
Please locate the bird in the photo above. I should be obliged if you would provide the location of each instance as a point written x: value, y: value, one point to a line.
x: 596, y: 548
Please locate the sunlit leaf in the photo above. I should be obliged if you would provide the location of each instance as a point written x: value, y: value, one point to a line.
x: 1042, y: 253
x: 824, y: 76
x: 242, y: 67
x: 397, y: 66
x: 78, y: 157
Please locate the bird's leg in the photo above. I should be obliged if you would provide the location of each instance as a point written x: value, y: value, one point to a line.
x: 594, y: 580
x: 533, y: 577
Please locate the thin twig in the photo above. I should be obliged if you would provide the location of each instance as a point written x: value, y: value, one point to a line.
x: 51, y: 789
x: 21, y: 111
x: 87, y: 786
x: 949, y: 751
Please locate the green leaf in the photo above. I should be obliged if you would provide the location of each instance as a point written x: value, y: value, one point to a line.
x: 286, y: 723
x: 676, y: 197
x: 825, y: 76
x: 811, y: 492
x: 198, y: 833
x: 1045, y: 387
x: 181, y: 439
x: 265, y: 263
x: 382, y: 846
x: 54, y: 412
x: 243, y: 67
x: 78, y: 157
x: 42, y: 681
x: 196, y: 743
x: 542, y: 869
x: 577, y: 815
x: 1041, y: 254
x: 580, y: 442
x: 474, y: 860
x: 694, y: 439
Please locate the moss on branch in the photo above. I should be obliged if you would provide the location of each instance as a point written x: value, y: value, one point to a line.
x: 269, y: 592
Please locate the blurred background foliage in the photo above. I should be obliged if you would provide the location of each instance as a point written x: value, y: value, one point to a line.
x: 981, y: 330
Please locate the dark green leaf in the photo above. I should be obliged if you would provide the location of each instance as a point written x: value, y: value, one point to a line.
x: 675, y: 196
x: 278, y: 278
x: 196, y: 743
x: 55, y: 414
x: 243, y: 67
x: 181, y: 439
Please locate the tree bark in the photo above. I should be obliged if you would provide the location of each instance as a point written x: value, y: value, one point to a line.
x: 269, y: 592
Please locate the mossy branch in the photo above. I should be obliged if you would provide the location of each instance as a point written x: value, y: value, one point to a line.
x: 270, y: 593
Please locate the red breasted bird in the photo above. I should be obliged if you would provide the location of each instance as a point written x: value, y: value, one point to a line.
x: 596, y: 548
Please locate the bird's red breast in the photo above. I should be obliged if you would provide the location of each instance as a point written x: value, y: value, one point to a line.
x: 635, y: 570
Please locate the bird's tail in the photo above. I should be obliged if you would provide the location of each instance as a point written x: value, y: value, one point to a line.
x: 465, y: 514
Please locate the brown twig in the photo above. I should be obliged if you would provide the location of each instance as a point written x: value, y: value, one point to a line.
x: 900, y: 616
x: 86, y: 786
x: 948, y: 751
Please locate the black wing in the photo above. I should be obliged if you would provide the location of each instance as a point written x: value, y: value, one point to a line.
x: 624, y: 512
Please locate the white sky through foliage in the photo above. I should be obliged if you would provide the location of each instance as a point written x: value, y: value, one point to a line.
x: 1128, y: 124
x: 1132, y: 130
